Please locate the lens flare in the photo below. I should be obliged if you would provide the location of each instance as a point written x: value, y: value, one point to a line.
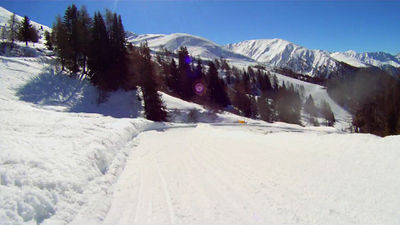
x: 188, y: 59
x: 199, y: 88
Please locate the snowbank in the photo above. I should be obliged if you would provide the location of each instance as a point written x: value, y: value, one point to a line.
x: 52, y: 159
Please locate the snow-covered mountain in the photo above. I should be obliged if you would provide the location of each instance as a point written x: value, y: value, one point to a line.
x: 197, y: 46
x: 284, y: 54
x: 378, y: 59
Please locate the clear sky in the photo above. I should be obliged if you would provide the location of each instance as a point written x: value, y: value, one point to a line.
x: 333, y: 25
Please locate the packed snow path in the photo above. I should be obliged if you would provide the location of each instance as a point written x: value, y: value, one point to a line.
x: 228, y: 175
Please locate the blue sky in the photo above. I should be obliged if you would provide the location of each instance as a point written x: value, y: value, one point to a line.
x: 317, y: 24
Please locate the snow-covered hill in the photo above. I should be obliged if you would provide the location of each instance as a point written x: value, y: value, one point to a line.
x: 197, y: 46
x: 284, y: 54
x: 5, y: 17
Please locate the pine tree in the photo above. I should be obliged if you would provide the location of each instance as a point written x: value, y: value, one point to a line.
x: 71, y: 28
x: 117, y: 48
x: 12, y: 29
x: 326, y: 111
x: 48, y: 39
x: 173, y: 77
x: 264, y: 108
x: 34, y: 35
x: 4, y: 33
x: 198, y: 72
x: 216, y: 88
x: 309, y: 107
x: 264, y: 84
x: 288, y: 105
x: 153, y: 104
x: 60, y: 41
x: 84, y: 26
x: 98, y: 54
x: 241, y: 100
x: 24, y: 33
x: 185, y: 78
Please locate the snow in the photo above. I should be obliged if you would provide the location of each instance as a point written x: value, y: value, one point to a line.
x: 228, y: 175
x: 48, y: 156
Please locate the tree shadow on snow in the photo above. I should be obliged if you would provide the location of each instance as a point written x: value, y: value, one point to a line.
x: 51, y: 88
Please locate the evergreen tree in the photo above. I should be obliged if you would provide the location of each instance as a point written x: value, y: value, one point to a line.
x: 309, y: 107
x: 98, y: 55
x: 153, y: 104
x: 49, y: 41
x: 216, y: 88
x: 60, y: 39
x: 173, y: 77
x: 4, y: 34
x: 246, y: 82
x: 185, y: 78
x: 241, y: 100
x: 198, y: 72
x: 24, y: 32
x: 84, y: 37
x: 288, y: 105
x: 326, y: 111
x: 264, y: 84
x: 71, y: 28
x: 117, y: 53
x: 12, y: 29
x: 264, y: 108
x: 34, y: 35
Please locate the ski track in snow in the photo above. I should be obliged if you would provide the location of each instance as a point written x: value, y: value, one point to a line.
x: 210, y: 175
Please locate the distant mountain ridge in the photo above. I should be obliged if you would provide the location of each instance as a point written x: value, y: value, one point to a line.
x: 284, y: 54
x: 197, y: 46
x: 378, y: 59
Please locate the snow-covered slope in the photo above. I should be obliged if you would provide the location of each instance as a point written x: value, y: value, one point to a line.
x: 197, y: 46
x: 5, y: 16
x: 284, y: 54
x: 64, y: 159
x: 348, y: 57
x: 378, y: 59
x: 236, y: 175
